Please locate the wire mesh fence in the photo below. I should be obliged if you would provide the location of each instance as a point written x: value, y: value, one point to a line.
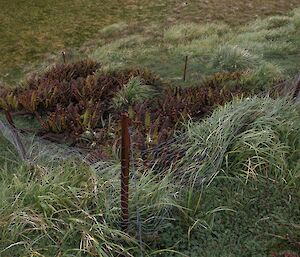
x: 135, y: 218
x: 139, y: 156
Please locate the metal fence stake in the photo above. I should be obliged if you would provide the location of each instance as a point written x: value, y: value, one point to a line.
x: 63, y: 56
x: 125, y: 155
x: 185, y: 68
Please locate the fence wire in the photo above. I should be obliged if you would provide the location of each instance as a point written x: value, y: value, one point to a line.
x: 36, y: 150
x: 134, y: 177
x: 160, y: 159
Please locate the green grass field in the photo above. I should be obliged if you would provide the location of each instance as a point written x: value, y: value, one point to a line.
x: 32, y: 31
x: 267, y: 48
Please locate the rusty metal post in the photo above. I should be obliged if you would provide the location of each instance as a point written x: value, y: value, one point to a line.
x: 63, y: 53
x: 125, y: 155
x: 185, y: 68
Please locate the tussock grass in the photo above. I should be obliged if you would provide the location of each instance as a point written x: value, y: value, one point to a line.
x: 135, y: 91
x: 192, y: 31
x: 57, y: 210
x: 153, y: 201
x: 68, y: 24
x: 197, y: 47
x: 113, y: 28
x: 258, y: 217
x: 120, y: 53
x: 268, y: 41
x: 250, y: 138
x: 296, y: 17
x: 240, y: 180
x: 273, y: 22
x: 69, y: 209
x: 269, y: 45
x: 65, y: 207
x: 233, y: 58
x: 263, y: 77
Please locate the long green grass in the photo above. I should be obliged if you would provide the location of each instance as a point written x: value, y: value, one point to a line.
x: 236, y: 193
x: 250, y: 138
x: 54, y: 211
x: 256, y: 219
x: 67, y: 209
x: 240, y: 178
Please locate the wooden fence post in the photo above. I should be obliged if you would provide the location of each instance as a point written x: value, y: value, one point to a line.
x: 125, y: 154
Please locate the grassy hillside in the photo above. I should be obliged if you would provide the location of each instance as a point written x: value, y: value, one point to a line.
x: 266, y: 49
x: 32, y: 30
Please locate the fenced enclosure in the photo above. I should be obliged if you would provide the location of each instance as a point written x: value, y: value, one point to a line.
x: 165, y: 137
x: 185, y: 163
